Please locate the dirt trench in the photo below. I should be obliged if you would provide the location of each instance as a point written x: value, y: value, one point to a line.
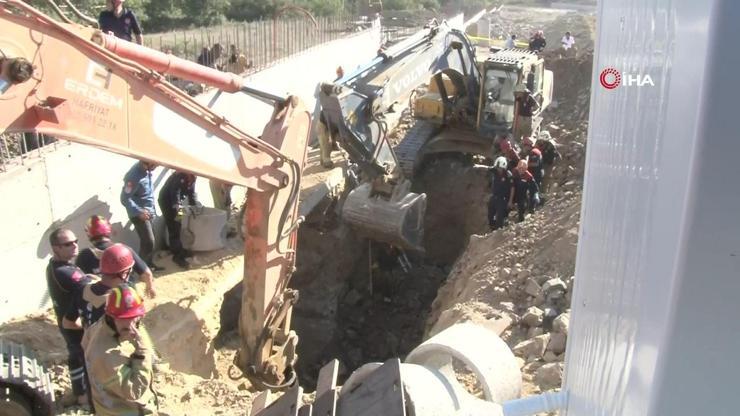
x: 358, y: 303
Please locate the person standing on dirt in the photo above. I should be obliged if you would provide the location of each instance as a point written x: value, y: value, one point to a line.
x: 137, y: 196
x: 567, y: 43
x: 120, y: 22
x: 179, y: 188
x: 537, y: 43
x: 526, y: 106
x: 507, y: 151
x: 534, y: 160
x: 119, y: 360
x: 549, y: 149
x: 510, y: 42
x: 502, y: 194
x: 63, y: 280
x: 527, y: 192
x: 98, y: 231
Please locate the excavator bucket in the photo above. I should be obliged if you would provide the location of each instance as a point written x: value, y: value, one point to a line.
x: 398, y: 220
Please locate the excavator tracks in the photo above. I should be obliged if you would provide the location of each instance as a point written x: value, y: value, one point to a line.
x: 25, y: 386
x: 407, y: 149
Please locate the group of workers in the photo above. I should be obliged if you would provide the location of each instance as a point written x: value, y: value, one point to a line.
x: 518, y: 178
x: 110, y: 359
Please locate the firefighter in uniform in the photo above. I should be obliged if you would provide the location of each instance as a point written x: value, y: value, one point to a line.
x: 119, y: 360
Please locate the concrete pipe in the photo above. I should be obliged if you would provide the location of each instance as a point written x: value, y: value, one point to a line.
x: 483, y: 353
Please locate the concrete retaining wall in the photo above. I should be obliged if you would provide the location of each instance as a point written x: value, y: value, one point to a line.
x: 66, y: 186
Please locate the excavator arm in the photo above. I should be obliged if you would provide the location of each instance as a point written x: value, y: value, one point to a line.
x: 92, y: 88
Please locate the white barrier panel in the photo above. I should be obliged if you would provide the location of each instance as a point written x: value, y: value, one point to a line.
x: 655, y: 328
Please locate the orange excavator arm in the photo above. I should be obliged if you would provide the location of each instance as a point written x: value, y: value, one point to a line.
x: 92, y: 88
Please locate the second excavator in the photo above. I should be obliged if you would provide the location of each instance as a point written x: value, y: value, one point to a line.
x: 468, y: 103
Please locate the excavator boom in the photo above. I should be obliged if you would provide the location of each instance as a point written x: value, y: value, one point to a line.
x: 90, y: 88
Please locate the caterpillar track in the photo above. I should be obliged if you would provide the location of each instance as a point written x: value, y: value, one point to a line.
x: 25, y: 386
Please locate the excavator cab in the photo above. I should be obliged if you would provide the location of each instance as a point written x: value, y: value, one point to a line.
x: 502, y: 73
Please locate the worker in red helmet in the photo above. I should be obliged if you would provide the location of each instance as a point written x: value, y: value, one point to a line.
x: 507, y: 150
x: 119, y: 360
x: 99, y: 234
x: 536, y: 168
x: 527, y: 145
x: 116, y: 264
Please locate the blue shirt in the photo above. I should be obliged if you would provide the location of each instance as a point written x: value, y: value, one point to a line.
x: 122, y: 26
x: 137, y: 194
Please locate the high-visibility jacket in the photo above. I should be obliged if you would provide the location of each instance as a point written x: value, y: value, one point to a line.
x: 120, y: 383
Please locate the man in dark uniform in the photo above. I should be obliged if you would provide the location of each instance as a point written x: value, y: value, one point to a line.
x: 137, y: 196
x: 63, y: 280
x: 179, y: 188
x: 120, y: 22
x: 502, y: 194
x: 98, y: 232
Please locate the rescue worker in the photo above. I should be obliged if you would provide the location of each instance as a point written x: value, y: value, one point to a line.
x: 507, y: 151
x: 137, y: 196
x: 510, y: 42
x: 534, y: 160
x: 179, y: 188
x: 119, y: 360
x: 526, y: 106
x: 502, y: 194
x: 537, y: 42
x: 98, y: 231
x: 526, y: 192
x: 63, y: 280
x: 116, y: 264
x: 549, y: 149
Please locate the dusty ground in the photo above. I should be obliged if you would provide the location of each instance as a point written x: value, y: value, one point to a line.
x: 482, y: 275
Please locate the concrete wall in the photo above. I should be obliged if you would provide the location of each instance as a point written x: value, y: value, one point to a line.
x: 67, y: 185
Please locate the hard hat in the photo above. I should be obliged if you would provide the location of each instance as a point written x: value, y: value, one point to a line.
x: 116, y: 259
x: 527, y: 141
x: 124, y: 303
x: 522, y: 165
x: 536, y: 152
x: 97, y: 226
x: 501, y: 162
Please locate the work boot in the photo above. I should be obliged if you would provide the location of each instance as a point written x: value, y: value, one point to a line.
x: 328, y: 164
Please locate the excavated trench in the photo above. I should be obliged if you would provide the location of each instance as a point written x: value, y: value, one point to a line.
x: 358, y: 303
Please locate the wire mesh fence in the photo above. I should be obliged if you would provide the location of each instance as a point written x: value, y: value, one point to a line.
x: 244, y: 47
